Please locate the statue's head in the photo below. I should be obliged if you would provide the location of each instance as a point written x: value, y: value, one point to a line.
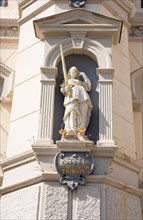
x: 73, y: 72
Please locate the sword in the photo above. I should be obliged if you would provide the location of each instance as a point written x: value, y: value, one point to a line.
x: 64, y: 66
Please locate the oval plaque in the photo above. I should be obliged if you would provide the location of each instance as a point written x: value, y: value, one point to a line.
x: 74, y: 167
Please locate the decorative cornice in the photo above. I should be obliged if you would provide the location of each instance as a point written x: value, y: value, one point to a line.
x: 22, y: 4
x: 25, y: 3
x: 136, y: 79
x: 87, y: 22
x: 42, y: 148
x: 22, y: 184
x: 9, y: 39
x: 119, y: 158
x: 9, y: 32
x: 104, y: 151
x: 96, y: 179
x: 127, y: 162
x: 105, y: 74
x: 128, y: 8
x: 17, y: 160
x: 35, y: 12
x: 75, y: 146
x: 114, y: 183
x: 6, y: 22
x: 5, y: 70
x: 136, y: 32
x: 50, y: 150
x: 49, y: 70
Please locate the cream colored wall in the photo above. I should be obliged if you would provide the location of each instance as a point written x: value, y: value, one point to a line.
x: 24, y: 121
x: 26, y: 105
x: 9, y: 53
x: 8, y: 58
x: 136, y: 54
x: 136, y: 69
x: 138, y: 134
x: 5, y: 110
x: 138, y: 123
x: 9, y: 45
x: 10, y: 12
x: 123, y: 127
x: 23, y: 170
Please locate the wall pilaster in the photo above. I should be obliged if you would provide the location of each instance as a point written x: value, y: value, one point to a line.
x: 105, y: 106
x: 47, y: 103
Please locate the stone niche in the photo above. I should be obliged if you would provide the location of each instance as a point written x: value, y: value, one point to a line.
x: 78, y: 31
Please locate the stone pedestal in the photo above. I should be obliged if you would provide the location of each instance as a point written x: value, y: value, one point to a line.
x: 75, y: 146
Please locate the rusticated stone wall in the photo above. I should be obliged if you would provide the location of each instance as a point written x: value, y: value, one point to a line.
x: 21, y: 204
x: 62, y: 204
x: 122, y: 205
x: 56, y: 202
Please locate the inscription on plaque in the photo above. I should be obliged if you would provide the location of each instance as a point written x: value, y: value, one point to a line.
x: 74, y: 167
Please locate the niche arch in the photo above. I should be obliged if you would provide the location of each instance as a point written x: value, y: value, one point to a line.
x: 91, y: 48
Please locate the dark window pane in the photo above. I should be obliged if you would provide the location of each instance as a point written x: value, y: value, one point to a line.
x: 1, y: 86
x: 4, y: 3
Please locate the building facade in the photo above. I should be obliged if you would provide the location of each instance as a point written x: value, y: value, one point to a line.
x: 104, y: 39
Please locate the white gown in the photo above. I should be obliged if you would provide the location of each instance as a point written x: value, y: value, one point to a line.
x: 78, y: 103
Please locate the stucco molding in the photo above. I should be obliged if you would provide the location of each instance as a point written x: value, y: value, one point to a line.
x: 17, y: 160
x: 136, y: 78
x: 96, y: 179
x: 20, y: 185
x: 33, y: 13
x: 89, y: 47
x: 78, y: 20
x: 8, y: 76
x: 5, y: 70
x: 121, y: 9
x: 46, y: 152
x: 78, y: 146
x: 9, y: 32
x: 126, y: 161
x: 114, y: 183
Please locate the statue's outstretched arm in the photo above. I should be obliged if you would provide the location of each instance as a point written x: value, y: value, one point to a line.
x: 87, y: 83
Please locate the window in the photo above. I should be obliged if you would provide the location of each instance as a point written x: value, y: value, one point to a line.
x: 4, y: 3
x: 141, y: 3
x: 6, y: 81
x: 1, y: 87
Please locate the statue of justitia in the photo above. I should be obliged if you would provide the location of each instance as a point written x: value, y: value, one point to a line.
x: 77, y: 103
